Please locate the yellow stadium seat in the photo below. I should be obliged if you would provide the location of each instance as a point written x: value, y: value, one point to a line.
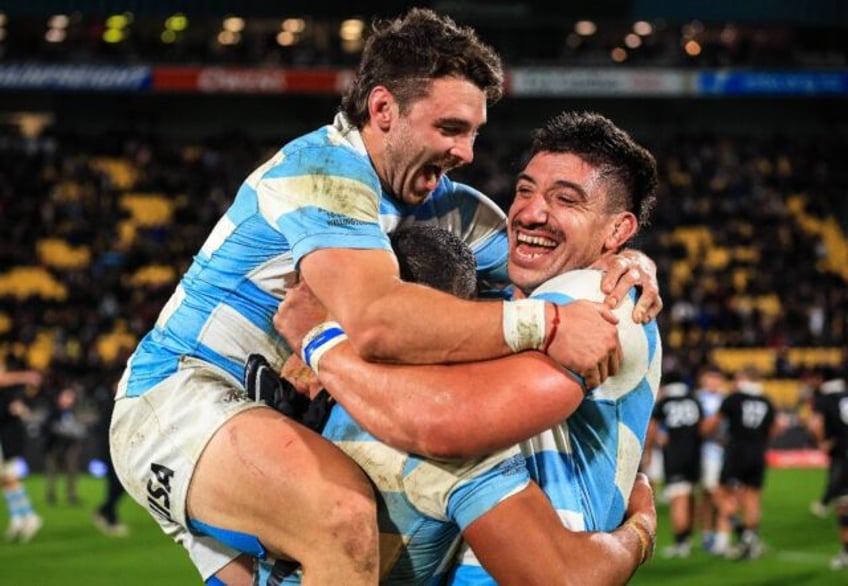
x: 24, y: 282
x: 153, y: 276
x: 148, y: 210
x: 55, y: 252
x: 785, y: 393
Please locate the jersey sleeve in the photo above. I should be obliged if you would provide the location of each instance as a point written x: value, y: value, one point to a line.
x: 463, y: 491
x: 322, y: 197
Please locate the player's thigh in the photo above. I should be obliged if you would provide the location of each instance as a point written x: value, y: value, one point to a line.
x: 265, y: 475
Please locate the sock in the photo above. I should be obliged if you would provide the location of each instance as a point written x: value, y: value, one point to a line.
x: 18, y: 502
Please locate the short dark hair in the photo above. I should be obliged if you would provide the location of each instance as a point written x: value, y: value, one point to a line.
x: 628, y: 168
x: 432, y: 256
x: 406, y: 54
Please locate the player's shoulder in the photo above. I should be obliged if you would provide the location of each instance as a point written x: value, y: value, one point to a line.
x: 576, y: 284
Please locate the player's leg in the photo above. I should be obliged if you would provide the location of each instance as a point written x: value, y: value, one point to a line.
x: 264, y: 475
x: 260, y: 483
x: 679, y: 495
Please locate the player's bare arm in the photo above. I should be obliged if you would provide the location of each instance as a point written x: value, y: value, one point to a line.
x: 384, y: 320
x: 572, y: 556
x: 429, y: 409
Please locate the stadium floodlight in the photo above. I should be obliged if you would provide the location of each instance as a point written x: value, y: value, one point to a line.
x: 55, y: 35
x: 58, y: 21
x: 286, y: 38
x: 351, y: 29
x: 643, y: 28
x: 633, y: 41
x: 619, y: 55
x: 226, y: 37
x: 692, y: 48
x: 293, y: 25
x: 585, y: 28
x: 119, y: 21
x: 176, y: 22
x: 234, y: 24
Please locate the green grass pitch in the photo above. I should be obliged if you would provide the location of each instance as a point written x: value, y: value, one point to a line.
x: 70, y: 551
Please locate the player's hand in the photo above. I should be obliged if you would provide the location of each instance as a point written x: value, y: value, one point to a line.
x: 299, y: 312
x: 628, y: 269
x: 301, y: 377
x: 587, y: 342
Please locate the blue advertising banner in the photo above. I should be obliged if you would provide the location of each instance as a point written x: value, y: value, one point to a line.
x: 782, y: 83
x: 75, y: 77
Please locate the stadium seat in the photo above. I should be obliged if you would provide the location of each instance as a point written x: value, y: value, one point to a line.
x: 24, y: 281
x: 57, y: 253
x: 154, y: 275
x: 148, y: 210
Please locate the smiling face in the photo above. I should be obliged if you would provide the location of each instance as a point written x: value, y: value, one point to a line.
x: 560, y: 219
x: 432, y: 136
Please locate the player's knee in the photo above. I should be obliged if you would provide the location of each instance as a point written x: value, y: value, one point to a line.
x: 353, y: 521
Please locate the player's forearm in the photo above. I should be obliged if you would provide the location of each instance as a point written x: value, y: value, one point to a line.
x: 522, y: 541
x: 418, y: 325
x: 390, y: 320
x: 451, y: 411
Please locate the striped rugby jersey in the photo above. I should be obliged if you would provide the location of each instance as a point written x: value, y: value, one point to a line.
x: 318, y: 191
x: 588, y: 463
x: 422, y: 504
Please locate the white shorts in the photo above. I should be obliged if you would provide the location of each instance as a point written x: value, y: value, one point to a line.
x: 157, y: 438
x: 677, y: 489
x: 710, y: 473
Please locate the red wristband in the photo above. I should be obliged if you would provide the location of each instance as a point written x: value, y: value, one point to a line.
x: 552, y: 333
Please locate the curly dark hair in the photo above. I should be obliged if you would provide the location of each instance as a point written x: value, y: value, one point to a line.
x: 432, y: 256
x: 628, y: 168
x: 406, y: 54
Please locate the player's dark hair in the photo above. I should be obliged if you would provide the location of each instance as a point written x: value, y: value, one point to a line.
x: 432, y: 256
x: 406, y: 54
x: 628, y: 168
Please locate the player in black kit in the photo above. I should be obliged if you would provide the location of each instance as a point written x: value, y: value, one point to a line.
x: 676, y: 419
x: 829, y: 426
x: 751, y: 422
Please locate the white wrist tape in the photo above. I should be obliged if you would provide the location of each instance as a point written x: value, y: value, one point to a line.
x: 319, y: 341
x: 524, y: 324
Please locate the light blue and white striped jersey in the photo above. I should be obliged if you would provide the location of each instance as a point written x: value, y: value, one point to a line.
x: 711, y: 447
x: 318, y: 191
x: 423, y: 505
x: 587, y: 464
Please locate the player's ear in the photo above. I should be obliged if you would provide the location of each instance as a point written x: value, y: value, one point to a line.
x: 622, y: 228
x: 381, y: 107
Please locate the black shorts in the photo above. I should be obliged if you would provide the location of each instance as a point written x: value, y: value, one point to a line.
x: 838, y: 487
x: 681, y: 467
x: 743, y: 468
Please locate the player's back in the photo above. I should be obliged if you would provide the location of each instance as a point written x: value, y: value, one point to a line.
x: 750, y: 415
x: 680, y: 413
